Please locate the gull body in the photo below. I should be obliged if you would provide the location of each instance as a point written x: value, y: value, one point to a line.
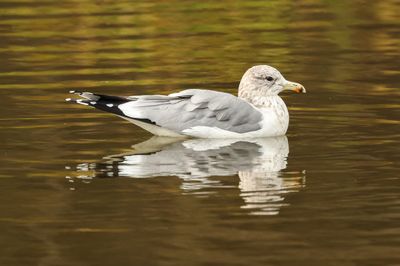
x: 258, y: 111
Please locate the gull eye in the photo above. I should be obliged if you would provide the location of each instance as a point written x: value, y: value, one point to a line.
x: 269, y: 78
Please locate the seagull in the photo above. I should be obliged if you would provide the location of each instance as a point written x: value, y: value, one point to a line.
x: 258, y: 111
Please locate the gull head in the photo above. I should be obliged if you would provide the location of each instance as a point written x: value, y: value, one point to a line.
x: 264, y: 80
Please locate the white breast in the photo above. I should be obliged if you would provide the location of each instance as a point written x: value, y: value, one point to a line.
x: 275, y: 117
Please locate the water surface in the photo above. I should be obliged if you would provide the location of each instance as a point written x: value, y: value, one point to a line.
x: 80, y: 187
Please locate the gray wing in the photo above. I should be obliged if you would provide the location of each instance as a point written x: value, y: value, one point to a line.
x: 194, y: 107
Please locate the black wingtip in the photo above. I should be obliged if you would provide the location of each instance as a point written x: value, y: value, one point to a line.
x: 105, y: 103
x: 80, y: 101
x: 102, y: 102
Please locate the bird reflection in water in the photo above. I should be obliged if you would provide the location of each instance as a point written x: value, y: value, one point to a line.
x: 257, y: 162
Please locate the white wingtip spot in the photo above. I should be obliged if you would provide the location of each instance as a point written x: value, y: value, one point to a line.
x: 68, y: 99
x: 93, y: 103
x: 72, y: 91
x: 110, y: 105
x: 81, y: 102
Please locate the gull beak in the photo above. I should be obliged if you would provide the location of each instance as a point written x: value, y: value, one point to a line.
x: 294, y: 86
